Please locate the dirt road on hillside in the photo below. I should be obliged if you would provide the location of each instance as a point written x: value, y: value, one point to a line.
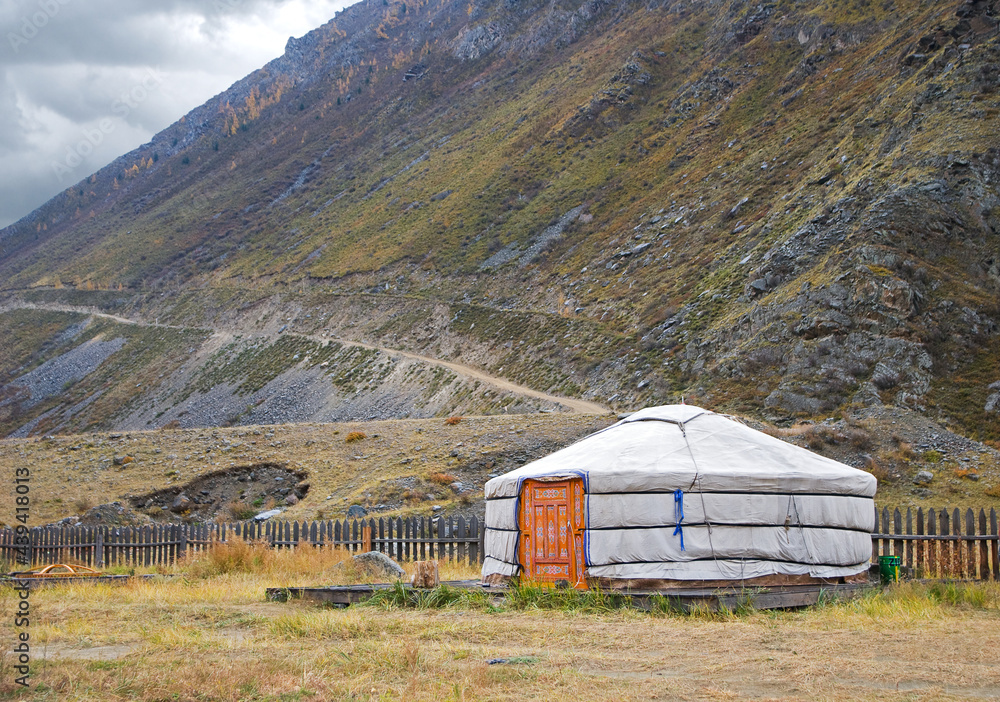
x: 571, y: 404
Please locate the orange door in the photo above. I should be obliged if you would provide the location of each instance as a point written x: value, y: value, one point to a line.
x: 551, y: 523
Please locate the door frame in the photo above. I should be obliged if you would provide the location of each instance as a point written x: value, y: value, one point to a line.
x: 575, y: 528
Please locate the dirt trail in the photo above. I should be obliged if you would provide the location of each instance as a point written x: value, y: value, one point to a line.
x: 574, y: 405
x: 86, y: 310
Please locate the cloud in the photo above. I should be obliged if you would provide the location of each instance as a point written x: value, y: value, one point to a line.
x: 12, y: 119
x: 65, y: 64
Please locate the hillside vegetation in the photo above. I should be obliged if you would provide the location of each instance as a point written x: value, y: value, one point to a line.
x: 788, y: 209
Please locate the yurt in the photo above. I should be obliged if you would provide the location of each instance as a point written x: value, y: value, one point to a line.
x: 678, y: 496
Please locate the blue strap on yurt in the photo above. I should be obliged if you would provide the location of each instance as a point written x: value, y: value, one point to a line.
x: 679, y: 515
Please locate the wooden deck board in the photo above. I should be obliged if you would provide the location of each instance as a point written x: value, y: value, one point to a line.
x: 781, y: 597
x: 34, y: 583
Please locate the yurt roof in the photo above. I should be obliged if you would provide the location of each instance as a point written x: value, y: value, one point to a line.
x: 684, y: 447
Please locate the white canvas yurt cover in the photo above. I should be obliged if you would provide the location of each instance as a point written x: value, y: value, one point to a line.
x: 681, y: 493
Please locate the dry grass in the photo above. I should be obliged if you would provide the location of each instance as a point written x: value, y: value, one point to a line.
x: 355, y: 436
x: 215, y: 638
x: 878, y: 470
x: 283, y: 566
x: 239, y: 510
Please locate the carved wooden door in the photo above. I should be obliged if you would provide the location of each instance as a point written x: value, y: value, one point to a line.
x: 552, y: 525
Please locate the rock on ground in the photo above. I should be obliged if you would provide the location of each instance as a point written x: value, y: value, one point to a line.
x: 379, y: 564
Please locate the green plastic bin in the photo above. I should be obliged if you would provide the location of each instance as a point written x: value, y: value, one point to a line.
x: 889, y: 568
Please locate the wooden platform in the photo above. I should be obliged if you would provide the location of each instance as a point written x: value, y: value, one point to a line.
x: 681, y: 599
x: 35, y: 583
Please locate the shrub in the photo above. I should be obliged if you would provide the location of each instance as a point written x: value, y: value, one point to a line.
x: 878, y: 470
x: 241, y: 510
x: 83, y: 504
x: 355, y: 436
x: 442, y: 478
x: 905, y: 452
x: 452, y: 421
x: 859, y: 438
x: 815, y: 442
x: 412, y: 496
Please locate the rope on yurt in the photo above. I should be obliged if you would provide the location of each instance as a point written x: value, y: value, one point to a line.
x: 679, y: 515
x: 701, y: 493
x: 794, y: 507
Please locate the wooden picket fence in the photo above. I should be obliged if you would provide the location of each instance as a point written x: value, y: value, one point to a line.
x: 936, y: 544
x: 940, y: 544
x: 417, y: 538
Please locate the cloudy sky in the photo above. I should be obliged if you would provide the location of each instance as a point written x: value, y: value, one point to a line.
x: 115, y: 72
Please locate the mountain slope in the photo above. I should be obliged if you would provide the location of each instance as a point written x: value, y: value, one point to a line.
x: 779, y: 207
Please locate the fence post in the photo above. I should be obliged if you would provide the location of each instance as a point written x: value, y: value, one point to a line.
x: 462, y: 550
x: 984, y: 549
x: 897, y: 528
x: 932, y: 545
x: 451, y: 536
x: 475, y: 547
x: 920, y: 552
x: 958, y: 558
x: 970, y: 545
x: 996, y: 543
x: 182, y: 547
x: 909, y: 544
x: 366, y: 537
x: 99, y: 548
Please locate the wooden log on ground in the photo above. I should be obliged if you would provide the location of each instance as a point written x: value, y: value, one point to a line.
x: 426, y: 574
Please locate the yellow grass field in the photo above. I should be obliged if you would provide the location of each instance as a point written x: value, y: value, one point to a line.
x: 209, y: 634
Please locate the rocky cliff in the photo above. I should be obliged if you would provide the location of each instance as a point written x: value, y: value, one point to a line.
x: 781, y: 208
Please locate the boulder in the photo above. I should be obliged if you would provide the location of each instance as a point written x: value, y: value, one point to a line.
x: 924, y: 477
x: 356, y: 512
x: 264, y: 516
x: 993, y: 401
x: 792, y: 402
x: 379, y: 565
x: 182, y: 503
